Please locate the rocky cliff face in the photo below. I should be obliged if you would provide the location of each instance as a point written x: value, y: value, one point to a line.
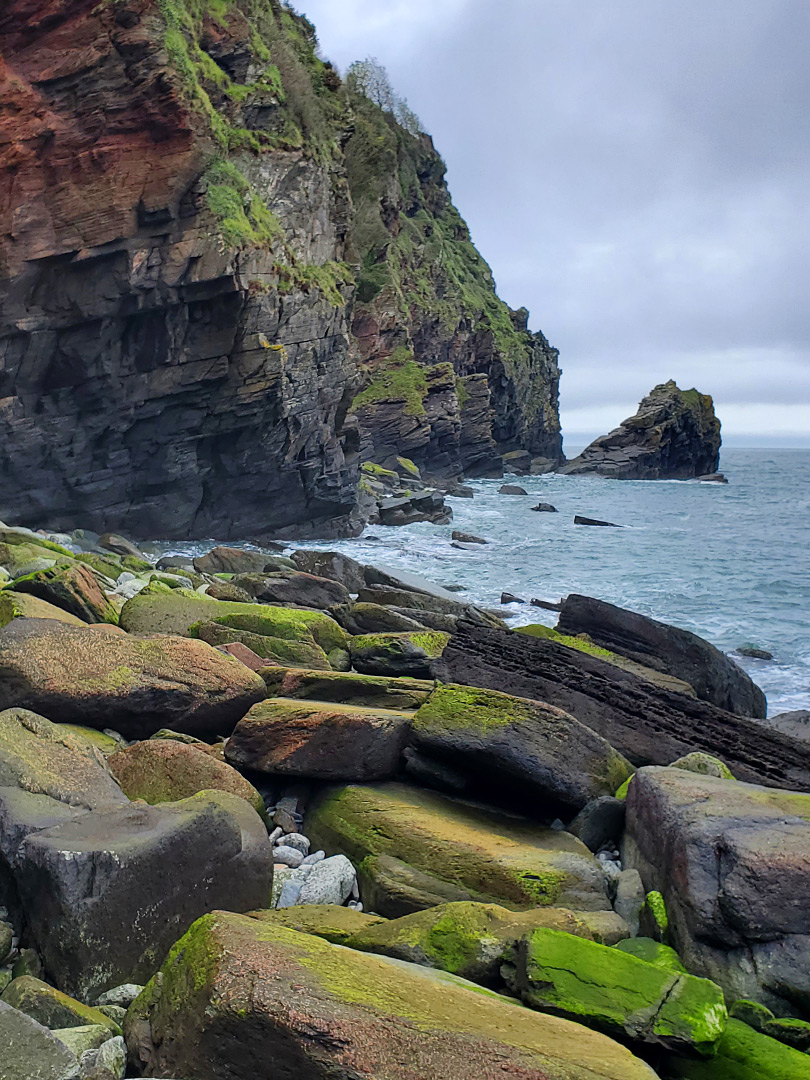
x: 675, y: 435
x: 179, y: 338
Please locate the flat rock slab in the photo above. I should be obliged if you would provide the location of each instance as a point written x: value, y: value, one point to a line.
x: 732, y: 861
x: 348, y: 688
x: 106, y: 894
x: 264, y: 993
x: 319, y: 740
x: 713, y: 675
x: 103, y: 678
x: 646, y: 723
x: 523, y: 745
x: 415, y: 848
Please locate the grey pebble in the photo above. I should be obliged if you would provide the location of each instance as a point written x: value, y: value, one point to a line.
x: 122, y: 995
x: 330, y: 882
x: 288, y: 856
x: 295, y: 840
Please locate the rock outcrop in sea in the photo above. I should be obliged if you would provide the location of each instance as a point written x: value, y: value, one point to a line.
x: 675, y: 435
x: 229, y: 279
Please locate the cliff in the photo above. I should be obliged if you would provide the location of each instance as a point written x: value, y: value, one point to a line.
x: 675, y: 435
x: 225, y: 281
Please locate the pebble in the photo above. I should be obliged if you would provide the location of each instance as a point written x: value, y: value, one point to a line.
x: 295, y: 840
x: 331, y: 881
x: 315, y: 857
x: 276, y: 834
x: 287, y: 856
x: 355, y: 905
x: 122, y: 995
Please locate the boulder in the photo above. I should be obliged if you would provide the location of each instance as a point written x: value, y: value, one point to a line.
x: 348, y: 688
x: 544, y: 508
x: 244, y: 655
x: 415, y: 848
x: 596, y: 522
x: 404, y: 581
x: 732, y: 862
x: 417, y: 604
x: 319, y: 740
x: 103, y: 679
x: 464, y: 938
x: 518, y: 462
x: 74, y: 589
x: 332, y: 922
x: 165, y: 770
x: 675, y: 435
x: 110, y: 541
x: 745, y: 1054
x: 523, y: 747
x: 794, y: 724
x: 646, y: 723
x: 292, y: 587
x: 713, y: 675
x: 229, y: 560
x: 614, y: 992
x: 223, y: 1005
x: 333, y: 565
x: 373, y: 619
x: 468, y: 538
x: 14, y: 605
x: 303, y: 651
x: 600, y: 822
x: 54, y: 762
x: 30, y: 1051
x: 107, y: 893
x: 51, y: 1008
x: 397, y: 654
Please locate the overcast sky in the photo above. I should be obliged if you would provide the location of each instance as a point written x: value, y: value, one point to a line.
x: 637, y: 174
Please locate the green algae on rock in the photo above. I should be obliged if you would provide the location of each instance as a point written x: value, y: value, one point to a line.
x: 464, y: 938
x: 20, y: 605
x: 334, y: 923
x: 522, y: 745
x: 72, y: 588
x: 51, y: 1008
x: 416, y: 848
x: 616, y: 992
x: 745, y: 1054
x: 409, y: 653
x: 302, y: 650
x: 653, y: 952
x: 347, y: 688
x: 232, y: 974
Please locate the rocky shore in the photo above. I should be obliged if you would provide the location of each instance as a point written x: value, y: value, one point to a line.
x: 280, y: 813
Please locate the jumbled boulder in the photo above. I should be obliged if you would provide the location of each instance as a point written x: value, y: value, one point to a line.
x: 745, y: 1054
x: 229, y: 560
x: 107, y: 893
x: 52, y: 1008
x: 415, y: 849
x: 30, y: 1051
x: 14, y: 605
x: 293, y: 587
x: 74, y: 589
x: 102, y: 678
x: 349, y: 688
x: 225, y: 1003
x: 612, y: 991
x: 319, y: 740
x: 397, y: 654
x: 732, y: 861
x: 520, y: 745
x: 165, y: 770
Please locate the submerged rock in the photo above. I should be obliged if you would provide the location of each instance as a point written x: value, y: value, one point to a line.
x: 675, y: 435
x: 224, y: 1003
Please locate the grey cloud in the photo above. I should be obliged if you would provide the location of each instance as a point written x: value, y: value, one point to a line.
x: 636, y: 173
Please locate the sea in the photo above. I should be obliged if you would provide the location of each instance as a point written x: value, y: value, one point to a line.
x: 729, y: 562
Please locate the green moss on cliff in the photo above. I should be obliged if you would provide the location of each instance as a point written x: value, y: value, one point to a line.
x: 400, y: 379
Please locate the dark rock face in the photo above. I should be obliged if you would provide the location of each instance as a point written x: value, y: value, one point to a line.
x: 646, y: 723
x: 713, y: 675
x: 176, y: 356
x: 675, y: 435
x: 108, y: 893
x: 732, y: 863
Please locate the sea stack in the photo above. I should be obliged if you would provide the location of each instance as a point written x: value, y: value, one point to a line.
x: 675, y: 435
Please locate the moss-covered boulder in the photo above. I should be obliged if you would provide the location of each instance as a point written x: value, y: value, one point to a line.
x: 107, y: 744
x: 519, y: 745
x: 302, y: 651
x: 108, y: 564
x: 347, y: 688
x: 18, y: 605
x: 47, y: 759
x: 653, y: 952
x: 704, y: 765
x: 397, y: 654
x: 72, y: 588
x: 328, y: 921
x: 22, y: 554
x: 51, y: 1008
x: 229, y: 560
x: 224, y: 1003
x: 415, y: 848
x: 789, y: 1030
x: 615, y: 992
x: 464, y: 938
x: 745, y: 1054
x: 99, y: 677
x: 319, y: 740
x: 374, y: 619
x: 165, y: 770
